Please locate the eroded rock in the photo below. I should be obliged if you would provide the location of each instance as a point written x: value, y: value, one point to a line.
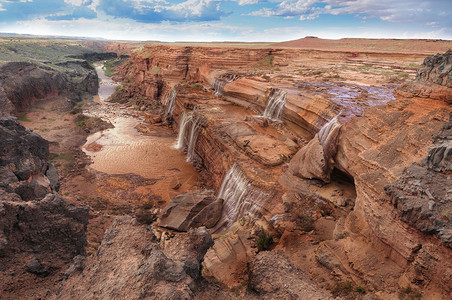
x: 433, y: 80
x: 131, y: 265
x: 191, y: 210
x: 273, y: 276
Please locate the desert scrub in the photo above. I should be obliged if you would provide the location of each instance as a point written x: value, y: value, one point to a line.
x: 305, y: 223
x: 265, y: 63
x: 342, y: 288
x: 196, y: 86
x: 91, y: 124
x: 408, y: 293
x: 23, y: 118
x: 264, y: 240
x: 155, y: 70
x: 360, y: 289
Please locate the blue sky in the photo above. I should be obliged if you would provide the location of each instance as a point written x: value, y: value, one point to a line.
x: 233, y: 20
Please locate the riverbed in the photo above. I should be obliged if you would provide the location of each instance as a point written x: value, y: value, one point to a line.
x: 124, y: 150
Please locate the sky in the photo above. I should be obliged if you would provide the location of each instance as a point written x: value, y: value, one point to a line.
x: 232, y: 20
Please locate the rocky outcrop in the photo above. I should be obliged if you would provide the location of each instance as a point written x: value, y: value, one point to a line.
x: 315, y: 160
x: 23, y: 161
x: 433, y: 80
x: 422, y: 195
x: 51, y: 225
x: 130, y: 264
x: 375, y: 150
x: 191, y: 210
x: 39, y: 230
x: 23, y: 83
x: 273, y: 276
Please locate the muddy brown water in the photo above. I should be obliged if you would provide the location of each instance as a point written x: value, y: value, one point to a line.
x: 125, y: 150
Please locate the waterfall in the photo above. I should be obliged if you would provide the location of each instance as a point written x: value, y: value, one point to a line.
x: 220, y: 81
x: 188, y: 134
x: 184, y: 120
x: 275, y: 104
x: 240, y: 198
x: 170, y: 104
x: 328, y: 136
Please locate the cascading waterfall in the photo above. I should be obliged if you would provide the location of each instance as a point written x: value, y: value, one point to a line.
x: 170, y: 103
x: 240, y: 198
x: 275, y: 104
x: 184, y: 120
x: 220, y: 81
x: 328, y: 135
x: 188, y: 134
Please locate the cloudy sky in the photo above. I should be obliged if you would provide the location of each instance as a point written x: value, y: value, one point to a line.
x: 233, y: 20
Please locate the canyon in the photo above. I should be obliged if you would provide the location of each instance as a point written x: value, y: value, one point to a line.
x: 307, y: 170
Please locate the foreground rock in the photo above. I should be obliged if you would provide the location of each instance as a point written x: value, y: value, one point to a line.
x: 130, y: 264
x: 273, y: 276
x: 39, y: 231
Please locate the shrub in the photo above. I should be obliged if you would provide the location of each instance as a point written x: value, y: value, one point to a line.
x: 360, y: 289
x: 408, y: 293
x: 264, y: 240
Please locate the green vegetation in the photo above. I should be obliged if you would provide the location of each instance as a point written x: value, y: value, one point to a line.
x: 360, y: 289
x: 196, y: 86
x: 265, y: 63
x: 155, y: 70
x: 264, y: 240
x: 110, y: 65
x: 305, y: 223
x: 23, y: 118
x: 408, y: 293
x: 342, y: 288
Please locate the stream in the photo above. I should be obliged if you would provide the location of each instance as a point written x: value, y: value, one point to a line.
x: 125, y: 150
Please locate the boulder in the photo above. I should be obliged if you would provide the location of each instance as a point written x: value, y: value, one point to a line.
x: 190, y: 210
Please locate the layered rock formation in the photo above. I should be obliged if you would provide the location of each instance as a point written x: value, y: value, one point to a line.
x: 242, y: 156
x: 433, y: 80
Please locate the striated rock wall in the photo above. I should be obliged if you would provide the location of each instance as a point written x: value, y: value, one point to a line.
x: 433, y: 80
x: 375, y: 150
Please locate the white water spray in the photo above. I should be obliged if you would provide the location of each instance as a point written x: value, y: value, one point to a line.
x: 275, y: 104
x: 240, y: 198
x: 220, y: 81
x: 189, y: 127
x: 170, y: 103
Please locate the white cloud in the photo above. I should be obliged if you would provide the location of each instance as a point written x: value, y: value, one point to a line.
x: 195, y: 7
x: 126, y: 29
x: 433, y: 11
x: 305, y: 9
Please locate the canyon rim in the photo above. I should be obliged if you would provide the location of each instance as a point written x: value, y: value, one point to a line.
x: 309, y: 169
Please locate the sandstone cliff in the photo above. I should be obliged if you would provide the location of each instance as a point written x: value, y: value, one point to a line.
x: 219, y: 104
